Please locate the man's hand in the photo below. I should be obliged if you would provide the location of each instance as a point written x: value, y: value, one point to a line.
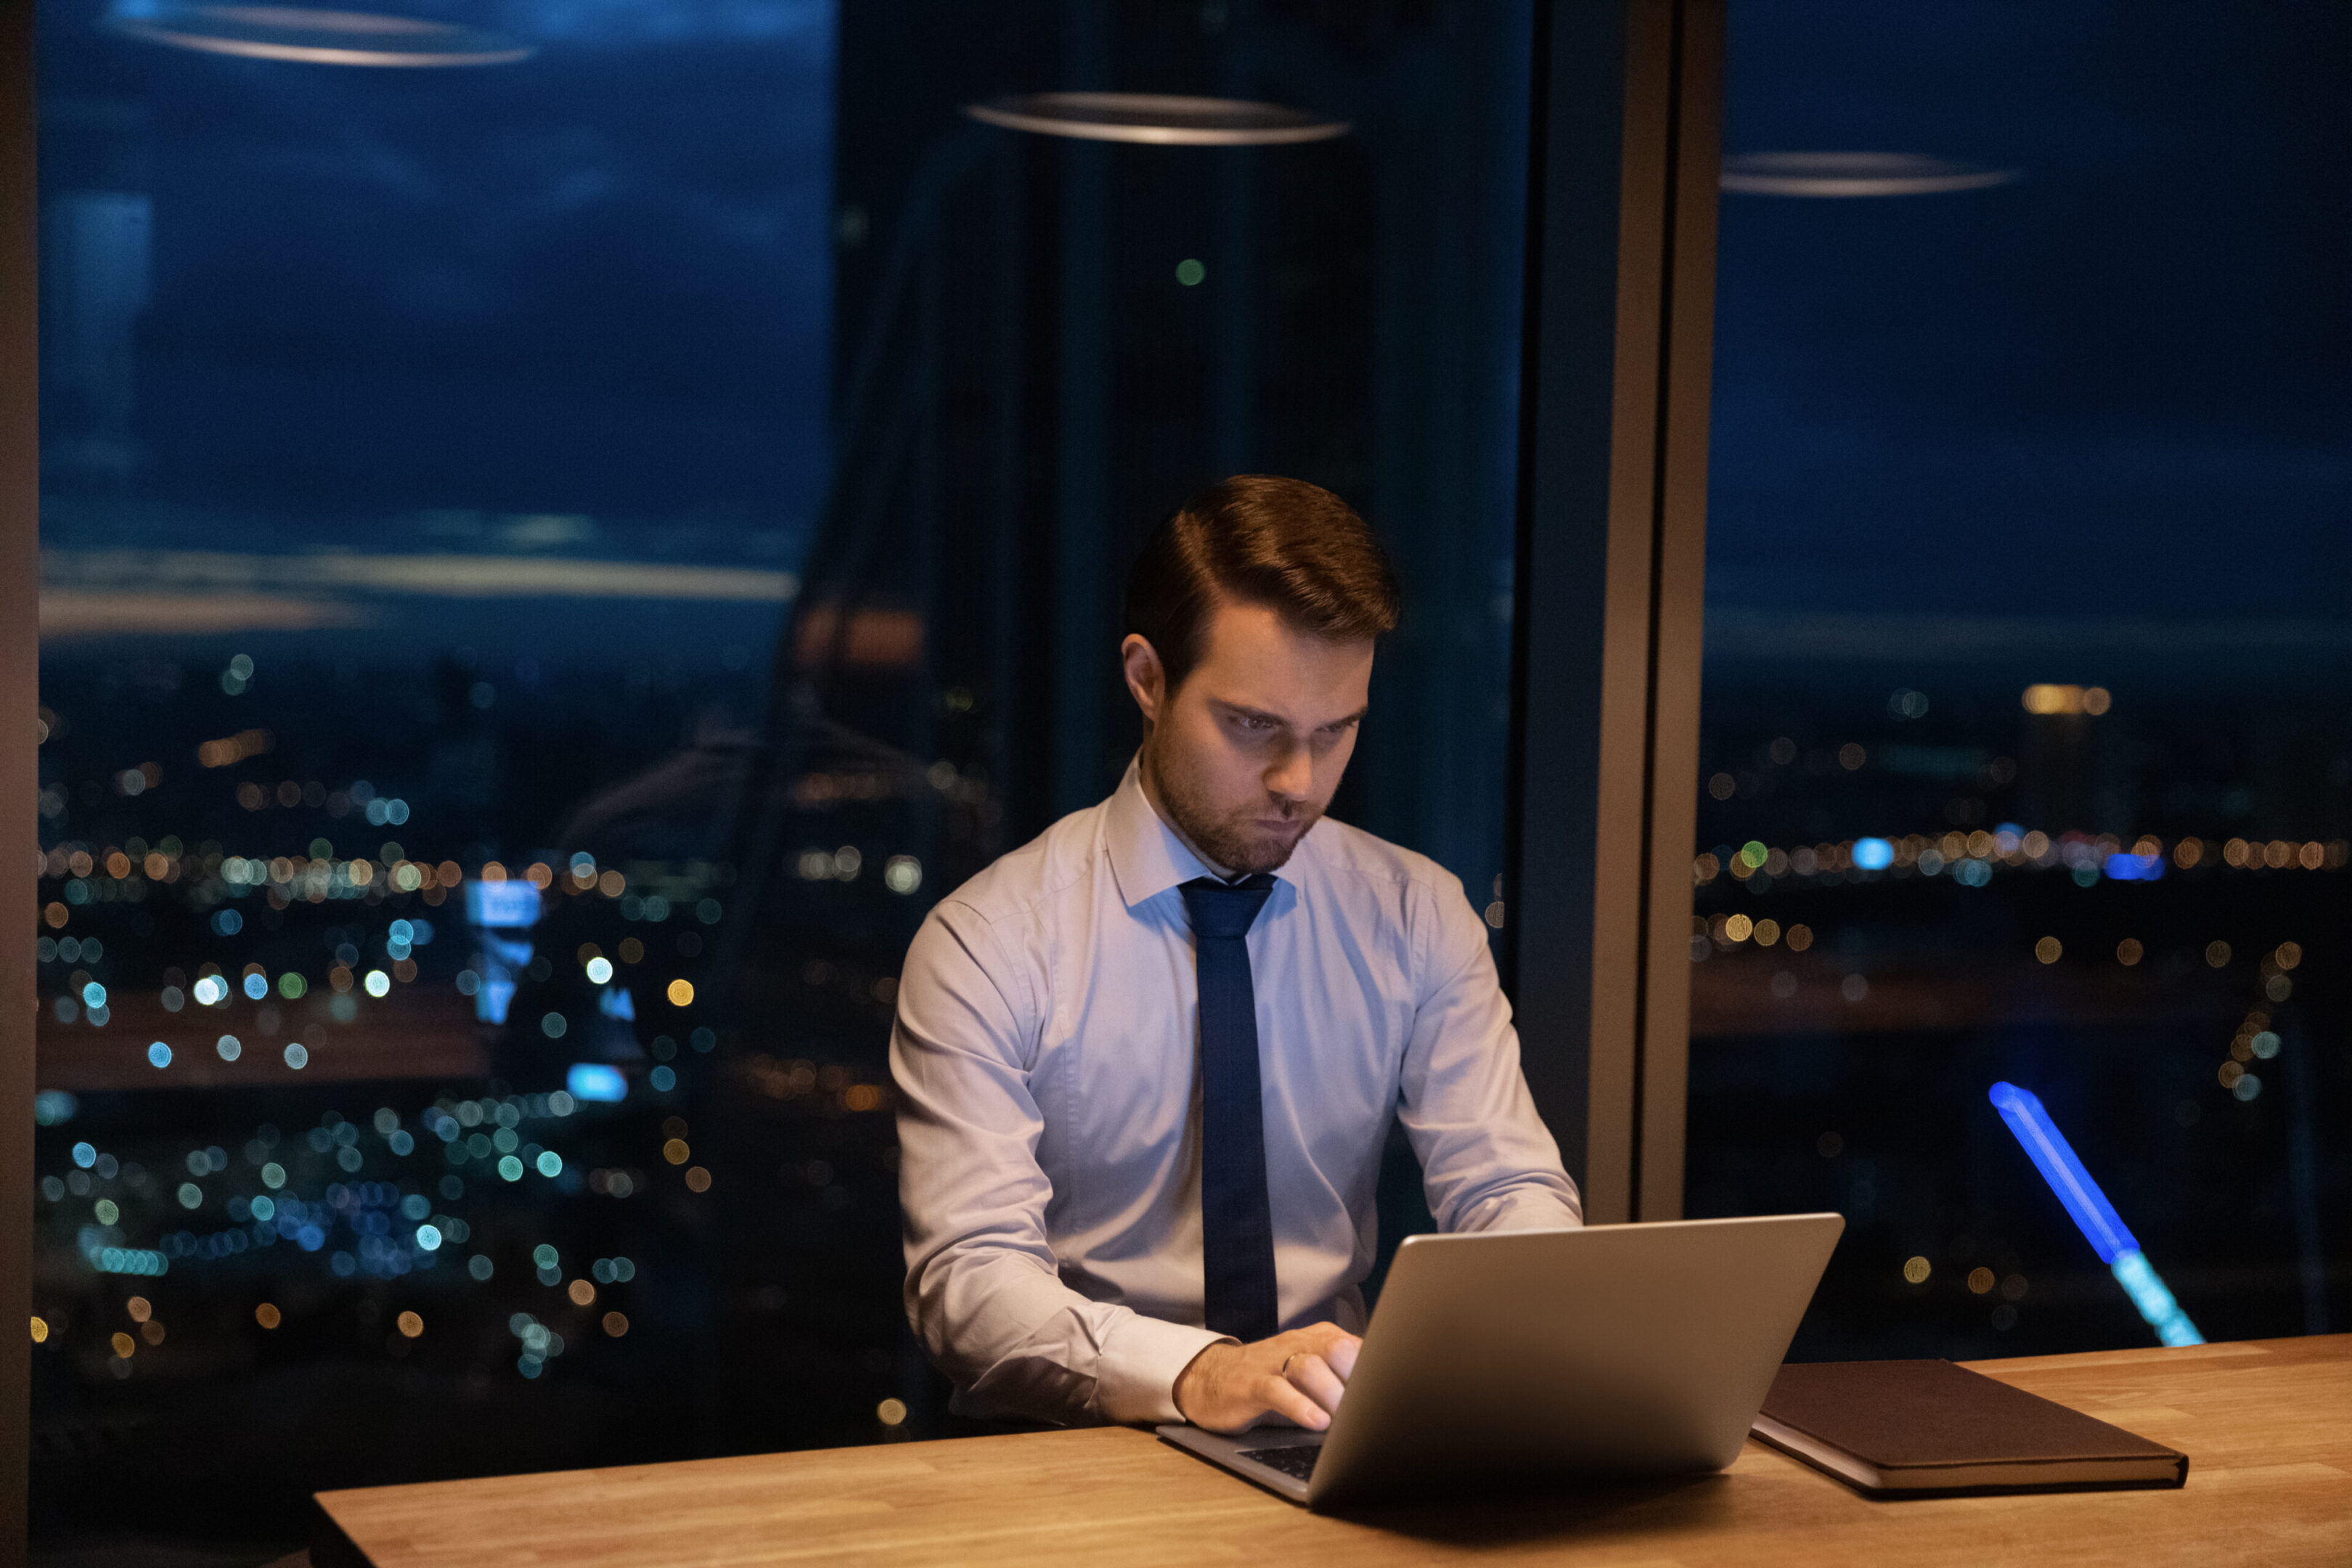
x: 1299, y: 1376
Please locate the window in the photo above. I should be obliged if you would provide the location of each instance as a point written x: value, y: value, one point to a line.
x: 551, y: 565
x: 2024, y: 752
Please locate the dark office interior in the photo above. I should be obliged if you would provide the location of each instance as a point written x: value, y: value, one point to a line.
x: 552, y: 559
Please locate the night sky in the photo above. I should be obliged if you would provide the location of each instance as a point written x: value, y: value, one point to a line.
x: 597, y: 283
x: 594, y: 282
x: 2118, y: 387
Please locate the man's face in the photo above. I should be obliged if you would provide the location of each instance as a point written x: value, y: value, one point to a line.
x: 1242, y: 758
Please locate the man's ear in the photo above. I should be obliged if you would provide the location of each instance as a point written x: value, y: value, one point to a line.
x: 1147, y: 679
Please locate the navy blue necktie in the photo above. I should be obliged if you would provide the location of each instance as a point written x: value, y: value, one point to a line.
x: 1236, y: 1217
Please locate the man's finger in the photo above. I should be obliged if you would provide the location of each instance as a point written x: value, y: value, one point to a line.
x: 1342, y: 1356
x: 1313, y: 1376
x: 1277, y: 1396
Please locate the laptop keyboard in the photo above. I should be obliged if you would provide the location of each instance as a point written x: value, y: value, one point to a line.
x: 1297, y: 1461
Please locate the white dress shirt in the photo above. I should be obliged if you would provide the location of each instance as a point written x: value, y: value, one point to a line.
x: 1049, y: 1123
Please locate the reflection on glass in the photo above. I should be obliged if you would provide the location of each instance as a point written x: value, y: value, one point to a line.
x: 309, y: 36
x: 426, y: 453
x: 1157, y: 120
x: 547, y: 574
x: 1841, y: 174
x: 2024, y: 656
x: 2091, y: 1212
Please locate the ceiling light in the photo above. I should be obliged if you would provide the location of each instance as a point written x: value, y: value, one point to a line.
x: 1856, y: 175
x: 313, y: 37
x: 1157, y: 119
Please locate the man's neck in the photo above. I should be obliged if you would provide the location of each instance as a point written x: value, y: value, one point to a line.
x: 1143, y: 772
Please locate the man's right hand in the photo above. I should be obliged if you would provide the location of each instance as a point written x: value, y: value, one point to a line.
x: 1228, y: 1387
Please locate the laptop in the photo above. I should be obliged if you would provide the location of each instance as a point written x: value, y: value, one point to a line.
x: 1526, y: 1359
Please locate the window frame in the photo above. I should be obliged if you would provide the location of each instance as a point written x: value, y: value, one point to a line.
x: 1611, y: 584
x: 20, y: 634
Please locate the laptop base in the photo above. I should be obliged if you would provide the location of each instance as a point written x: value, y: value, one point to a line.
x: 1233, y: 1453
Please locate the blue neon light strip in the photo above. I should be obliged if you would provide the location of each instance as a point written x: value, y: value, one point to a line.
x: 2059, y: 1167
x: 2092, y: 1214
x: 2155, y: 1302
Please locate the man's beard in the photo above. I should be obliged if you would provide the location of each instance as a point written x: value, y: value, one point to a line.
x: 1235, y: 839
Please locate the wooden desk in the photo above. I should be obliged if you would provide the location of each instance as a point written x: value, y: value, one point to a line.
x: 2267, y: 1427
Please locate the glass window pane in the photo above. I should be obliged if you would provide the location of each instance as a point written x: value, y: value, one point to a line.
x: 552, y: 562
x: 2024, y: 753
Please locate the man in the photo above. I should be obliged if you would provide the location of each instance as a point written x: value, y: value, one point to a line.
x: 1147, y: 1062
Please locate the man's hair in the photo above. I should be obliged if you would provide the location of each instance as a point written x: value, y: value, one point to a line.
x: 1292, y: 547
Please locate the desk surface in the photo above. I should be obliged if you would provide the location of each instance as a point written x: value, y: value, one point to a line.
x: 2267, y: 1427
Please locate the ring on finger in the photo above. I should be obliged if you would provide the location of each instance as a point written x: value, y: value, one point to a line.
x: 1285, y: 1364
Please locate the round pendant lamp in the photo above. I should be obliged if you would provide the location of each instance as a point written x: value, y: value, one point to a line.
x: 1158, y: 120
x: 1849, y: 175
x: 309, y: 37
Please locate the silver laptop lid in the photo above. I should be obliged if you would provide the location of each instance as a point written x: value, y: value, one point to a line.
x: 1501, y: 1359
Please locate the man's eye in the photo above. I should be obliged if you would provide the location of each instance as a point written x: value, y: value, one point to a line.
x: 1254, y: 724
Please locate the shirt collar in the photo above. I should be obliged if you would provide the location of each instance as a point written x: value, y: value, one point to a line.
x: 1146, y: 857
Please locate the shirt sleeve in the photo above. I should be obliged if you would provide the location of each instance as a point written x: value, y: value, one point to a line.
x: 1488, y: 1161
x: 982, y: 1292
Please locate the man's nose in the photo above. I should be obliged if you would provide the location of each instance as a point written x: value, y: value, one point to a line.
x: 1293, y: 777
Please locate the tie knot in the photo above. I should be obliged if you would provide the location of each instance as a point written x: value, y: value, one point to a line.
x: 1224, y: 909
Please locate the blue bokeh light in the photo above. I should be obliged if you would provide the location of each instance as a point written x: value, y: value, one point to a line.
x: 593, y: 1080
x: 502, y: 903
